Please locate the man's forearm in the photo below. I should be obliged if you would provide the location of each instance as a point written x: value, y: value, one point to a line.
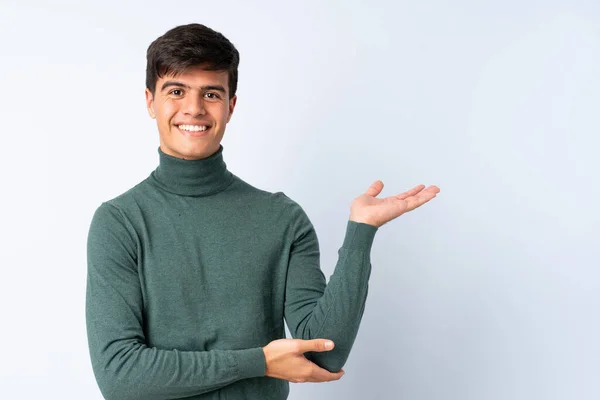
x: 136, y: 372
x: 337, y: 313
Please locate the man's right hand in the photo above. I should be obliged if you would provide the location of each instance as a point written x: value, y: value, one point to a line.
x: 285, y: 360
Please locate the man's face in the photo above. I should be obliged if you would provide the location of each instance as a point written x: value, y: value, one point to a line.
x: 191, y: 111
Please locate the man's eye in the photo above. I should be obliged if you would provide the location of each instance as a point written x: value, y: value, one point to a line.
x: 176, y: 92
x: 214, y: 95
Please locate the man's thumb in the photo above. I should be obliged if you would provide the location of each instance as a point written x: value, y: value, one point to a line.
x: 317, y: 345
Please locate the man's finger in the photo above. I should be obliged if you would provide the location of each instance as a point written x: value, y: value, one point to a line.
x: 322, y: 375
x: 316, y: 345
x: 411, y: 192
x: 375, y: 188
x: 419, y: 200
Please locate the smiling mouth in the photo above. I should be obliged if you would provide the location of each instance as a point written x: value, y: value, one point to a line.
x: 193, y: 131
x: 193, y: 128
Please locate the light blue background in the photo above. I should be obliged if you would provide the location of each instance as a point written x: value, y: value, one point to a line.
x: 491, y: 291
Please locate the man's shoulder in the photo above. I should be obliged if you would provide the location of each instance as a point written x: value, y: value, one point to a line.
x: 122, y: 200
x: 273, y: 197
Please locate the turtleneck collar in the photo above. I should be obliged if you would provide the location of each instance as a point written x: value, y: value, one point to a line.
x: 192, y: 177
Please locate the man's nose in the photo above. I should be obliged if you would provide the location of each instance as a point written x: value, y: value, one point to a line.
x: 193, y: 105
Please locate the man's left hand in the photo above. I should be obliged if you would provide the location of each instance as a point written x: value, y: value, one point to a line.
x: 369, y: 209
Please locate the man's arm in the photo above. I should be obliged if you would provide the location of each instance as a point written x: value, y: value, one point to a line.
x: 314, y: 309
x: 124, y: 366
x: 334, y: 311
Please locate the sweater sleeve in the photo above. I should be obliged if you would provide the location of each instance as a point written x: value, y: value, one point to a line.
x: 124, y: 366
x: 314, y: 309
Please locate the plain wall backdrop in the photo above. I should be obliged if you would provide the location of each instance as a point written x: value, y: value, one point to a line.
x: 490, y: 291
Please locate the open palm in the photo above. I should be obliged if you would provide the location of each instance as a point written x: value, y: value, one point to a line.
x: 369, y: 209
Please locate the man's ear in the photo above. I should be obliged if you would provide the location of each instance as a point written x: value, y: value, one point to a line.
x: 150, y: 103
x: 232, y: 103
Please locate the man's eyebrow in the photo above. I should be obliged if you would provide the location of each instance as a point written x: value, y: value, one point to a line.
x: 218, y: 88
x: 168, y: 84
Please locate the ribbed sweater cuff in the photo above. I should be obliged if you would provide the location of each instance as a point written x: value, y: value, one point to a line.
x: 251, y: 363
x: 359, y: 236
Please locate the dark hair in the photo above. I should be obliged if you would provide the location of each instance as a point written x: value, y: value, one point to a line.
x: 191, y: 45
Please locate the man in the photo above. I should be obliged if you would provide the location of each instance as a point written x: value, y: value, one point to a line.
x: 192, y: 271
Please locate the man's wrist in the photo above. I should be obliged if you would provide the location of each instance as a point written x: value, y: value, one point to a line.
x: 363, y: 221
x: 264, y: 349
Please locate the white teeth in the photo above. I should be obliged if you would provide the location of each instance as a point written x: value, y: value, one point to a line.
x: 193, y: 128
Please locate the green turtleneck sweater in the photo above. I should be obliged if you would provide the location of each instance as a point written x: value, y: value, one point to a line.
x: 192, y: 271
